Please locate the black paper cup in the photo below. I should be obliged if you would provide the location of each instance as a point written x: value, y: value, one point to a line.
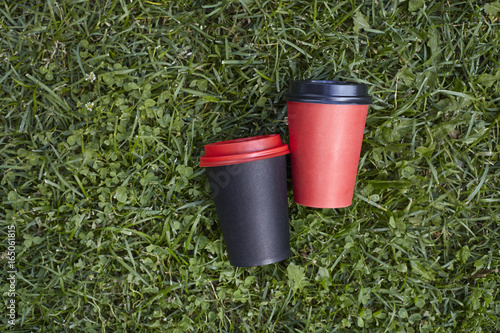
x: 248, y: 183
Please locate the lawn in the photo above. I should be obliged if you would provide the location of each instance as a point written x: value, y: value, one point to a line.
x: 105, y: 108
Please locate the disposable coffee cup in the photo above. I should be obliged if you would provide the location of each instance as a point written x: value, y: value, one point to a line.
x: 247, y: 178
x: 326, y: 121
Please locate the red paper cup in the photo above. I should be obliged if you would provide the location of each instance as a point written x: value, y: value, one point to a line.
x: 326, y: 121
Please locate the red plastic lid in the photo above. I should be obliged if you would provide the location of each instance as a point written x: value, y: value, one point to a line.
x: 243, y: 150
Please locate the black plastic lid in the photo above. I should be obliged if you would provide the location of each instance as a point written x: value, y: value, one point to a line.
x: 328, y: 92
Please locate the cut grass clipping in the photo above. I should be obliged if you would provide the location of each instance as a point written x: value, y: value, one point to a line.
x: 106, y: 106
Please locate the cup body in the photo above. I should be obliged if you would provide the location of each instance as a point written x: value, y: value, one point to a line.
x: 326, y: 121
x: 247, y: 178
x: 325, y: 145
x: 252, y: 207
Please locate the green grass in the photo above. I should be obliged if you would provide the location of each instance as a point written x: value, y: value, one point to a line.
x: 106, y: 106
